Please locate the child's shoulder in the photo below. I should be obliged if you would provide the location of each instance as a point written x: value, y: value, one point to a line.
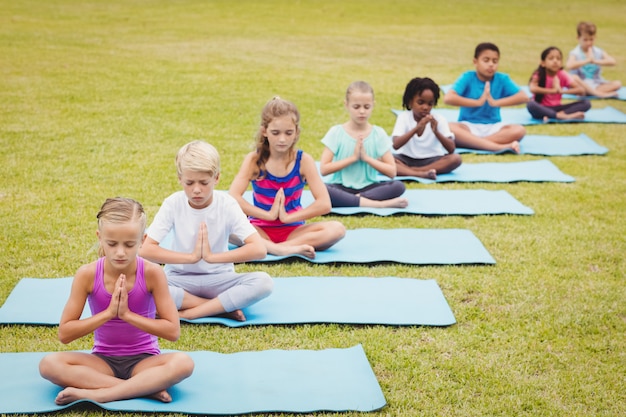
x: 90, y: 267
x: 151, y: 268
x: 86, y: 272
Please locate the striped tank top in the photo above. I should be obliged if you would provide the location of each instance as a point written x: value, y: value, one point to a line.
x: 264, y: 191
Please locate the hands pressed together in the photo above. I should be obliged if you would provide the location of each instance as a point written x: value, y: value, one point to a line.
x: 202, y: 250
x: 278, y: 211
x: 424, y: 121
x: 118, y: 307
x: 486, y: 97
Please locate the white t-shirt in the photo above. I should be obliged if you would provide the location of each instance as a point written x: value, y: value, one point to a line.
x: 425, y: 146
x: 223, y: 218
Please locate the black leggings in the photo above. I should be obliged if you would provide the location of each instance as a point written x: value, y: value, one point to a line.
x: 341, y: 196
x: 539, y: 111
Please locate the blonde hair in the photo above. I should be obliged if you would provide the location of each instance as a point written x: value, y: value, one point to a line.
x: 198, y: 156
x: 121, y: 210
x: 276, y: 107
x: 586, y: 28
x: 360, y: 86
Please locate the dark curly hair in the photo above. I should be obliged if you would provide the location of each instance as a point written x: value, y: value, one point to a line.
x: 417, y: 86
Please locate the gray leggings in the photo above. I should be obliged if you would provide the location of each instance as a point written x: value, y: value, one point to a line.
x: 341, y: 196
x: 234, y: 290
x: 539, y: 111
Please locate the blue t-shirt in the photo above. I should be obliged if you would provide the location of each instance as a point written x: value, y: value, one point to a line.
x: 468, y: 85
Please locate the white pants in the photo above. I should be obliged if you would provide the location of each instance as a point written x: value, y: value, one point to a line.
x: 234, y: 290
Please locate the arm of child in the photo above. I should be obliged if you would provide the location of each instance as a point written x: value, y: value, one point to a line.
x: 401, y: 140
x: 151, y: 251
x: 328, y: 166
x: 606, y: 60
x: 533, y: 86
x: 239, y: 186
x: 321, y: 200
x: 452, y: 98
x: 574, y: 63
x: 386, y: 165
x: 253, y: 248
x: 167, y: 323
x: 518, y: 98
x: 71, y: 327
x: 574, y: 85
x: 446, y: 142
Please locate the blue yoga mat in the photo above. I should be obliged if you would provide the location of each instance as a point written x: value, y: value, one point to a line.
x: 404, y: 246
x: 551, y: 146
x: 521, y: 116
x: 291, y: 381
x: 296, y: 300
x: 349, y: 300
x: 438, y: 202
x: 541, y: 170
x: 621, y: 94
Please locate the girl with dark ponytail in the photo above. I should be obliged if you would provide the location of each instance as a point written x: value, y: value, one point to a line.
x: 547, y: 83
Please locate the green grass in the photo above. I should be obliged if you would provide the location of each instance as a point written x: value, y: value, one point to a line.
x: 98, y: 96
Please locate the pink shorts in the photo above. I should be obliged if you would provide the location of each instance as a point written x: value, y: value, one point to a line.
x: 278, y: 234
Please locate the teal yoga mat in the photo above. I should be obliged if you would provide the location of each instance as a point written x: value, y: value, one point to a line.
x: 295, y: 300
x: 551, y: 146
x: 438, y: 203
x: 291, y: 381
x: 403, y: 246
x: 541, y: 170
x: 519, y: 115
x: 621, y: 94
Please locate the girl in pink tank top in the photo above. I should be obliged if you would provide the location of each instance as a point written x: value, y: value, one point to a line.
x: 124, y: 294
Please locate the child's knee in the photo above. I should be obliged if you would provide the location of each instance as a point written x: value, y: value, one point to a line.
x: 337, y: 229
x: 182, y: 364
x: 455, y: 160
x: 48, y: 365
x: 265, y: 285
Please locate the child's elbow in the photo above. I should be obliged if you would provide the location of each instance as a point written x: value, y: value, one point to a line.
x: 64, y: 338
x: 174, y: 334
x: 258, y: 251
x: 325, y: 205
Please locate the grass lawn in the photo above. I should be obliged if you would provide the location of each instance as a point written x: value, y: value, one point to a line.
x: 96, y: 97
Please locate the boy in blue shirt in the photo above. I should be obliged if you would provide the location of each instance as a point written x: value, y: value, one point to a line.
x: 480, y: 94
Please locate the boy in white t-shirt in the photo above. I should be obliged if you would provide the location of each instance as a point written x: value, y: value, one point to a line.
x: 199, y: 266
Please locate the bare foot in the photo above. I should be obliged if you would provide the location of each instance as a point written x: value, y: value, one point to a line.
x: 569, y: 116
x: 162, y: 396
x: 515, y: 146
x: 304, y: 250
x: 399, y: 202
x: 606, y: 95
x: 546, y: 119
x: 235, y: 315
x: 71, y: 394
x: 431, y: 174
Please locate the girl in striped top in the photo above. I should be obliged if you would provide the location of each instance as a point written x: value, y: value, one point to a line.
x: 278, y: 172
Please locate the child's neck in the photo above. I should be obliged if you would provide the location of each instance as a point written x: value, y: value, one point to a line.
x: 483, y: 78
x: 358, y: 129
